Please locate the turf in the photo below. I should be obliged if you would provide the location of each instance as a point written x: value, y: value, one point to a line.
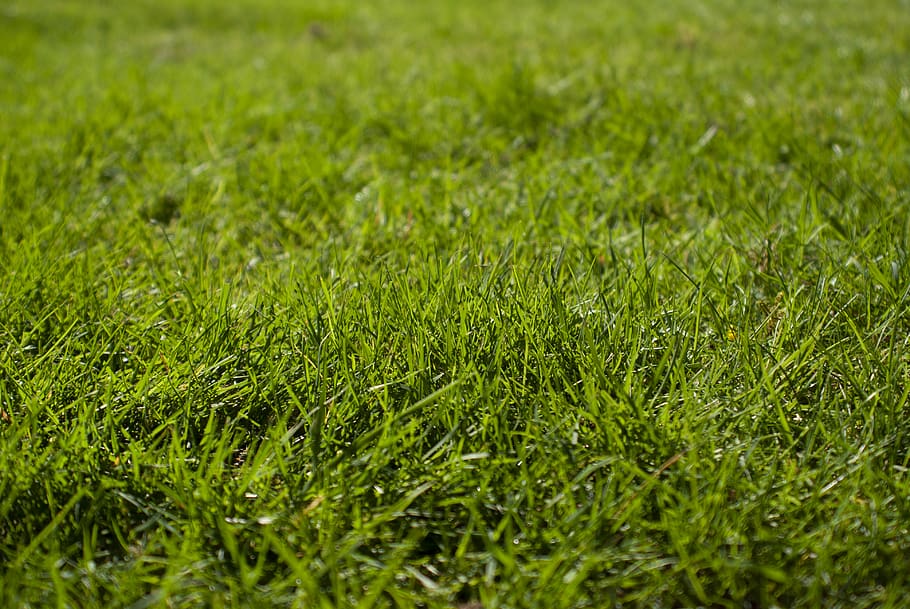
x: 454, y: 304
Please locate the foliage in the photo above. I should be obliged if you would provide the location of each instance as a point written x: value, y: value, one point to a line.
x: 454, y: 304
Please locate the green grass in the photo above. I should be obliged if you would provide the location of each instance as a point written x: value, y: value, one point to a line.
x: 454, y: 304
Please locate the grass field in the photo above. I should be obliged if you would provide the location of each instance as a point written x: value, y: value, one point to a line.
x: 454, y: 304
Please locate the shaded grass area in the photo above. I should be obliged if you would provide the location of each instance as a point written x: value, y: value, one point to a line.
x: 379, y: 306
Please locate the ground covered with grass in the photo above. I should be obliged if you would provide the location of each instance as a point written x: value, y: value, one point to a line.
x: 454, y: 304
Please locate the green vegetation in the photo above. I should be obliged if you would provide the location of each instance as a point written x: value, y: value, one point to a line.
x: 454, y: 304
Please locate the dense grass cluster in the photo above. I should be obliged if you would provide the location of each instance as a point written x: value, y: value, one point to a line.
x: 454, y: 304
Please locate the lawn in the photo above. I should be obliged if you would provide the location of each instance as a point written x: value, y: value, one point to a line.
x: 454, y: 304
